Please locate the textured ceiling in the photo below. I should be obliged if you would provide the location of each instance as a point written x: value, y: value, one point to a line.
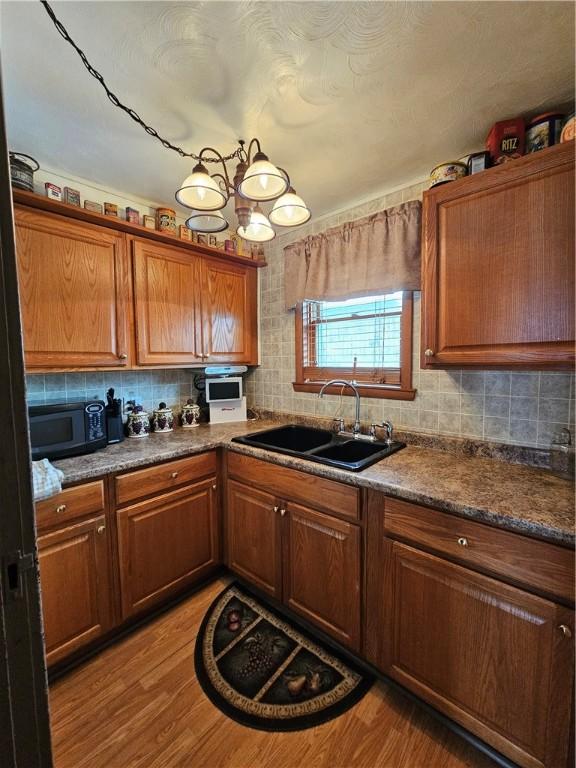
x: 352, y: 98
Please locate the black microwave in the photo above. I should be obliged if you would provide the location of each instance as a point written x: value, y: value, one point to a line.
x: 58, y: 430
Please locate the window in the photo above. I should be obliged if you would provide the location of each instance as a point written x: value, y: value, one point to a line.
x: 367, y: 340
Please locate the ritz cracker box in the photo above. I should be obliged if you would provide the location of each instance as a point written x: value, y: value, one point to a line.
x: 506, y: 140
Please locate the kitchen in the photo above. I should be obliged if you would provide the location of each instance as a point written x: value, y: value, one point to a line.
x: 301, y: 420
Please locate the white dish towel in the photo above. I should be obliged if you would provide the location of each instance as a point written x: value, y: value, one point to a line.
x: 47, y: 480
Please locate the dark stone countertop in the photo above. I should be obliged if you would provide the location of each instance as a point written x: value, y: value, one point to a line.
x: 520, y: 498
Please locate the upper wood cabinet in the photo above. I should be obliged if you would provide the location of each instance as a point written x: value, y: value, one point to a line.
x: 167, y: 304
x: 498, y: 266
x: 84, y: 307
x: 230, y: 312
x: 190, y: 309
x: 74, y: 292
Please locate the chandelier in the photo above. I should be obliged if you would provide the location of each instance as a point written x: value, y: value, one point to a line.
x: 255, y: 181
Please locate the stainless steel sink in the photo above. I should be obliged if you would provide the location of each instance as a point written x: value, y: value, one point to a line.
x: 321, y: 446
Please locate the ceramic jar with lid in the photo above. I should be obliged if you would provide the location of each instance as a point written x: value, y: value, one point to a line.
x: 190, y: 416
x: 138, y: 424
x: 162, y: 419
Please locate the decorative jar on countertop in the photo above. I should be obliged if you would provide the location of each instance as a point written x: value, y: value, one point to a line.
x: 162, y: 419
x: 190, y: 415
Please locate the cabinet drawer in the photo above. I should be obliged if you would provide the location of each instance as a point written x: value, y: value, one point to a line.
x: 163, y: 477
x: 544, y: 567
x: 285, y: 483
x: 71, y: 504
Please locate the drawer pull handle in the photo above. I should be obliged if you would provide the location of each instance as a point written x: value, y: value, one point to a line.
x: 174, y: 475
x: 122, y: 356
x: 566, y: 631
x: 463, y: 541
x: 60, y: 508
x: 429, y: 352
x: 101, y: 529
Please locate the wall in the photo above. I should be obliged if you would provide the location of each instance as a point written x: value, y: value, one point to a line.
x: 173, y: 386
x: 523, y: 408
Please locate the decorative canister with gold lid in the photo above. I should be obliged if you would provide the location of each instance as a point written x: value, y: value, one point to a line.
x: 190, y: 416
x: 138, y: 424
x: 162, y: 419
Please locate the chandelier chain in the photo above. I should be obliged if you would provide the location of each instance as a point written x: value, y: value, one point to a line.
x: 128, y: 110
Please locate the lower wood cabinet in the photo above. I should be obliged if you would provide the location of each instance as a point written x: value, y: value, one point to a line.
x: 165, y: 544
x: 253, y: 533
x: 322, y: 571
x: 455, y: 614
x: 309, y: 560
x: 75, y: 586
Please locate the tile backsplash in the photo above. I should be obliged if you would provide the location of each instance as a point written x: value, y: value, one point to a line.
x: 173, y: 386
x: 524, y: 408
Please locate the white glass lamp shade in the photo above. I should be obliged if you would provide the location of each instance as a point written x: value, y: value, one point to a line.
x: 289, y: 210
x: 200, y: 191
x: 259, y: 230
x: 262, y: 181
x: 209, y: 221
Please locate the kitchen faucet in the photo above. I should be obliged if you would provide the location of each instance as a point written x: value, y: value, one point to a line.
x: 356, y: 430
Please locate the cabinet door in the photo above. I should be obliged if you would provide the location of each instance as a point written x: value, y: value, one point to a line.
x: 230, y: 312
x: 166, y: 293
x: 490, y: 656
x: 498, y: 265
x: 253, y: 537
x: 75, y: 586
x: 74, y: 287
x: 322, y: 571
x: 166, y: 544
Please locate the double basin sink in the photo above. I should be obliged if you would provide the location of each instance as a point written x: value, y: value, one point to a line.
x: 321, y: 446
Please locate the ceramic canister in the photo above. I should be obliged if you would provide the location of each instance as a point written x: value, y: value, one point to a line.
x: 190, y: 415
x: 447, y: 172
x: 162, y: 419
x: 138, y: 424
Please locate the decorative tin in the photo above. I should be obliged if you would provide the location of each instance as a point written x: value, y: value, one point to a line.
x: 149, y: 222
x: 138, y: 424
x: 569, y: 129
x: 166, y: 220
x: 229, y: 246
x: 110, y: 209
x: 506, y: 140
x: 238, y: 247
x: 90, y: 205
x: 132, y: 215
x: 22, y: 169
x: 478, y: 161
x: 190, y: 416
x: 52, y: 191
x: 162, y: 419
x: 184, y: 233
x: 543, y: 131
x: 213, y: 241
x: 444, y: 172
x: 71, y: 196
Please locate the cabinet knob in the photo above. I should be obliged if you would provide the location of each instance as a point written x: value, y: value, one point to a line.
x: 429, y: 352
x: 174, y: 475
x: 282, y: 512
x: 60, y: 508
x: 566, y: 631
x: 122, y: 356
x: 276, y: 509
x: 463, y: 541
x: 207, y: 355
x: 101, y: 529
x: 214, y: 487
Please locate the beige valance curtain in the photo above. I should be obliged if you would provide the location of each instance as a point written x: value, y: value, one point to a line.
x: 377, y: 254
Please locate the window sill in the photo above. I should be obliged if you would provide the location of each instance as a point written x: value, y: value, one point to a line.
x: 364, y: 390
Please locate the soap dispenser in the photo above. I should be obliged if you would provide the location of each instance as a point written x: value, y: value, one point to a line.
x: 562, y: 455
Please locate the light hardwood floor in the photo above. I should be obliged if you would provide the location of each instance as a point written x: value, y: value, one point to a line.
x: 138, y: 705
